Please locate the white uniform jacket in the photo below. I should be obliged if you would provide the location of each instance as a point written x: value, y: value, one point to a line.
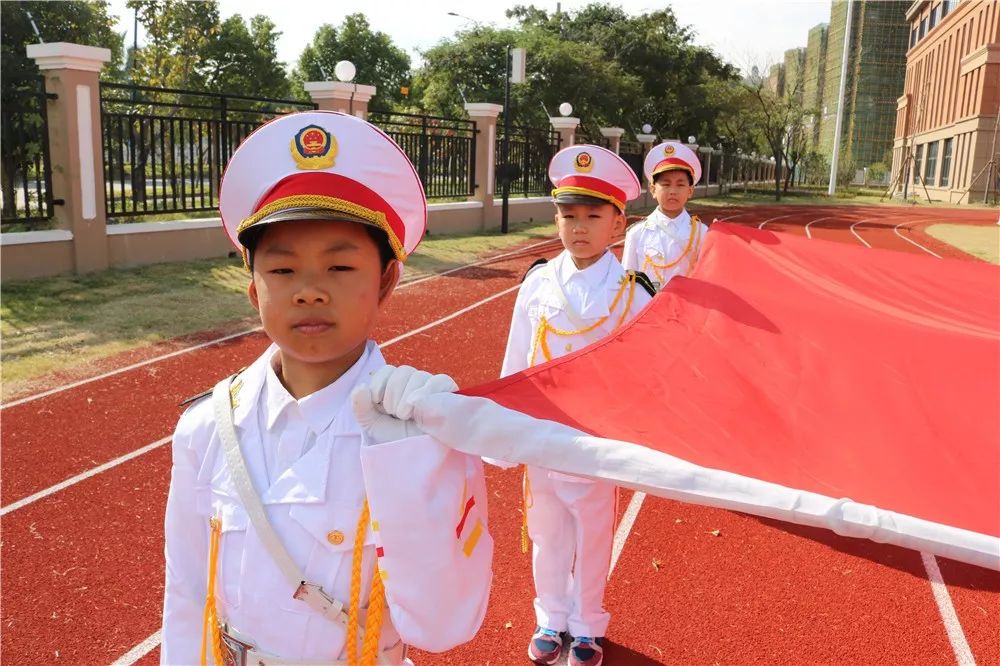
x: 427, y: 502
x: 661, y: 247
x: 589, y: 293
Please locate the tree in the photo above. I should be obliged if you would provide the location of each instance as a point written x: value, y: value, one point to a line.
x: 773, y: 122
x: 79, y: 22
x: 377, y: 60
x: 177, y: 35
x: 472, y: 67
x: 244, y: 61
x: 189, y: 48
x: 656, y: 52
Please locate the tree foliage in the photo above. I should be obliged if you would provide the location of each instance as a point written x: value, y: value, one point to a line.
x: 614, y: 69
x: 377, y: 60
x: 80, y: 22
x: 73, y: 21
x: 188, y: 47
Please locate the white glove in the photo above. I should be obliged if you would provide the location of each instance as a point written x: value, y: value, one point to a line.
x: 384, y: 406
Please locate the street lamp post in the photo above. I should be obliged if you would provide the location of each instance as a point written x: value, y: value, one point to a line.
x: 505, y: 149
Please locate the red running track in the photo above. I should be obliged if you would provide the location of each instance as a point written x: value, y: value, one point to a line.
x: 83, y: 570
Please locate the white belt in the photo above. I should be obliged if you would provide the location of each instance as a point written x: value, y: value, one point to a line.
x: 237, y: 651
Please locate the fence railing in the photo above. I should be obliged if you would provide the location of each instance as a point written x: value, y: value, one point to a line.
x: 632, y: 153
x: 165, y: 149
x: 25, y: 167
x: 443, y: 150
x: 530, y: 152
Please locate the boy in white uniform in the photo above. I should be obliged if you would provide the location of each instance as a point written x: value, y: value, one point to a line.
x: 668, y: 241
x: 304, y: 525
x: 577, y: 298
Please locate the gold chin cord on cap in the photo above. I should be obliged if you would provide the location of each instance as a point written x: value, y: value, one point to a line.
x: 332, y: 204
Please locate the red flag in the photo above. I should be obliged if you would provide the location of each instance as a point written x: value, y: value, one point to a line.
x: 841, y: 372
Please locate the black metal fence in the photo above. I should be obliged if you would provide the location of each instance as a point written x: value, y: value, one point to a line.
x: 26, y: 173
x: 631, y: 152
x: 593, y: 137
x: 165, y: 149
x: 443, y: 150
x: 530, y: 152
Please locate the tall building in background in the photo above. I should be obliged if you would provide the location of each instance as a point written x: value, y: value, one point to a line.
x: 814, y: 77
x: 794, y: 68
x: 947, y: 118
x: 876, y: 67
x: 776, y: 79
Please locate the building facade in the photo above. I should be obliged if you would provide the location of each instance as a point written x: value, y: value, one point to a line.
x: 814, y: 79
x: 947, y: 118
x: 876, y: 67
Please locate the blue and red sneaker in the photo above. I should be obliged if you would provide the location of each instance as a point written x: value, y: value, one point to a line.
x: 586, y: 651
x: 545, y: 646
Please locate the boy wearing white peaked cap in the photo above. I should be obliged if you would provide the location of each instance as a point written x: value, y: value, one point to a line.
x: 668, y: 241
x: 298, y: 527
x: 563, y: 305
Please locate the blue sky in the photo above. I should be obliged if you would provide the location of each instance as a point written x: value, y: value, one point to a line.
x: 744, y: 32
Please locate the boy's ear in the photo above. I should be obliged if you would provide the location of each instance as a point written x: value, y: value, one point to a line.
x: 252, y: 294
x: 619, y: 221
x: 388, y: 281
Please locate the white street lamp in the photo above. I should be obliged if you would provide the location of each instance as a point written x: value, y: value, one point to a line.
x: 345, y: 71
x: 565, y: 109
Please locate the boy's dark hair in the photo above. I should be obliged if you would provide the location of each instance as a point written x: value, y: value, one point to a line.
x: 253, y: 236
x: 687, y: 173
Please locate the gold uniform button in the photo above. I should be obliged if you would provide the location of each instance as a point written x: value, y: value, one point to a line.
x: 336, y: 537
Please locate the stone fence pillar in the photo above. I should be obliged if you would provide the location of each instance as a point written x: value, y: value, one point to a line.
x: 614, y: 137
x: 72, y: 72
x: 349, y: 98
x: 485, y: 116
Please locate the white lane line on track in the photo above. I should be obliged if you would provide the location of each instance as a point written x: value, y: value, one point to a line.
x: 73, y: 480
x: 910, y: 240
x: 118, y: 371
x: 779, y: 217
x: 956, y: 636
x: 856, y: 235
x: 625, y: 527
x: 140, y: 650
x: 818, y: 219
x: 160, y: 442
x: 216, y: 341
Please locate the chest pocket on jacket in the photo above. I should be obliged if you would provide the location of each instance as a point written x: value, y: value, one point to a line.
x: 548, y: 306
x: 654, y: 249
x: 331, y: 528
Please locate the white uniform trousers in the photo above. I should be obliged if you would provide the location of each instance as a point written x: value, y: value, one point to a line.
x: 571, y: 525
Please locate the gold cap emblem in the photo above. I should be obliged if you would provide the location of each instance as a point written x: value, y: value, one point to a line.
x: 583, y: 163
x: 313, y: 148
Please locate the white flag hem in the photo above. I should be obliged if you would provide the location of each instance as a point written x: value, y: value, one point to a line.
x: 480, y: 427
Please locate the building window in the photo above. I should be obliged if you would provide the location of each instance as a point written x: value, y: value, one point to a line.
x: 946, y: 163
x: 923, y: 28
x: 913, y: 37
x: 945, y: 8
x: 930, y: 168
x: 918, y: 157
x: 934, y: 17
